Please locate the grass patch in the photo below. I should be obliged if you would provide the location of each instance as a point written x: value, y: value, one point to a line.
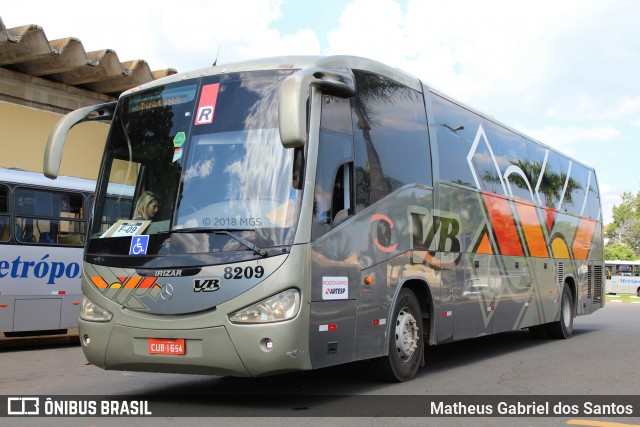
x: 623, y: 298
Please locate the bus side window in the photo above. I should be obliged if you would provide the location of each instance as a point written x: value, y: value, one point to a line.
x: 391, y: 138
x: 332, y: 199
x: 456, y: 129
x: 44, y: 231
x: 334, y: 158
x: 25, y: 232
x: 5, y: 231
x: 341, y: 200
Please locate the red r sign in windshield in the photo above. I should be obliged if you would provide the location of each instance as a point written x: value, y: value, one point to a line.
x: 207, y: 104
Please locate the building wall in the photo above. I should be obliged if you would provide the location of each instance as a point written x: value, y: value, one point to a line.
x: 23, y: 136
x: 29, y: 108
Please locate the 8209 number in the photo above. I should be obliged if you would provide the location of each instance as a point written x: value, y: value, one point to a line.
x: 246, y: 273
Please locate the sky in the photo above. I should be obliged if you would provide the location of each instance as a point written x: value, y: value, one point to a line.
x: 565, y: 72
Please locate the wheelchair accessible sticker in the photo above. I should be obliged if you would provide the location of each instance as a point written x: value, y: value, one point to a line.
x: 139, y: 245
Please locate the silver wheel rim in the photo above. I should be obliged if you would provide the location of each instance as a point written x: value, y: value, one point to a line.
x: 406, y: 334
x: 566, y: 311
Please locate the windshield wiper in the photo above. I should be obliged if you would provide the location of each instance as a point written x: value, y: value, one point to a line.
x: 227, y: 231
x: 254, y: 248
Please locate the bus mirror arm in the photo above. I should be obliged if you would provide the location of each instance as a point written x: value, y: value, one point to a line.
x: 58, y: 135
x: 293, y: 95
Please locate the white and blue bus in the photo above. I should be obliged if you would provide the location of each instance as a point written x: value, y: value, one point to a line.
x: 42, y: 233
x: 623, y: 277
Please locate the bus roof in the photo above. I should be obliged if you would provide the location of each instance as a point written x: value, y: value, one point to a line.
x: 294, y: 63
x: 618, y: 262
x: 18, y: 176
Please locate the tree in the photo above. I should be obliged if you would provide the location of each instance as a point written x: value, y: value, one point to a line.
x: 625, y: 226
x: 619, y: 251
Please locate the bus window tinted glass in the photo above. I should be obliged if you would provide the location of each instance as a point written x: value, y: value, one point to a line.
x: 593, y: 199
x: 5, y: 232
x: 211, y: 152
x: 574, y: 199
x: 510, y: 153
x: 4, y: 200
x: 237, y: 174
x: 552, y: 182
x: 536, y: 155
x: 567, y: 183
x: 456, y: 129
x: 335, y: 153
x: 46, y: 203
x: 145, y: 153
x: 391, y: 136
x: 49, y: 217
x: 336, y: 114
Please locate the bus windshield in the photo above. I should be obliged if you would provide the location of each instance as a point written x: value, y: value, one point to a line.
x: 200, y: 156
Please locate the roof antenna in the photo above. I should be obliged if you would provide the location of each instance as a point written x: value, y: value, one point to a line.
x: 216, y: 61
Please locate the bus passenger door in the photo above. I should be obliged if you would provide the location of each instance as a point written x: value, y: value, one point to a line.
x: 335, y: 276
x: 335, y: 272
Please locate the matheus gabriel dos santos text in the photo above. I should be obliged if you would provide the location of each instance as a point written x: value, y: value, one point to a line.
x: 530, y: 408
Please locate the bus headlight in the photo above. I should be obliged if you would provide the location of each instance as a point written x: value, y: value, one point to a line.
x: 282, y: 306
x: 93, y: 312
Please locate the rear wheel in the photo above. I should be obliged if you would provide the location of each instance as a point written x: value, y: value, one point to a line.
x: 563, y: 328
x: 638, y: 292
x: 406, y: 345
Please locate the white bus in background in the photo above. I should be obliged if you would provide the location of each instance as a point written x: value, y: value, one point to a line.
x: 42, y: 234
x: 623, y: 277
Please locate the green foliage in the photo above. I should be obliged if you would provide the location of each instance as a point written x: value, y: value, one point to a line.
x: 625, y: 226
x: 619, y: 251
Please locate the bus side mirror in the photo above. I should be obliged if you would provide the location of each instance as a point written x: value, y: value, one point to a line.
x: 58, y: 135
x: 293, y: 95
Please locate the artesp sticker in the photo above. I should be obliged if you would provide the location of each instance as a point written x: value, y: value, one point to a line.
x: 335, y: 288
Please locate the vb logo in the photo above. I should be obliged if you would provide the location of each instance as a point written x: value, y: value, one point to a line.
x: 206, y: 285
x: 436, y: 232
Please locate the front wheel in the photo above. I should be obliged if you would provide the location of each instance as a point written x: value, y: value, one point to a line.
x: 563, y: 328
x: 406, y: 345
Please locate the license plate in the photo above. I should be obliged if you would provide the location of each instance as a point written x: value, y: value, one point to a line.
x: 166, y: 346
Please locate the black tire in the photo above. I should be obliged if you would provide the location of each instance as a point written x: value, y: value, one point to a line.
x: 638, y: 292
x: 563, y: 328
x: 406, y: 345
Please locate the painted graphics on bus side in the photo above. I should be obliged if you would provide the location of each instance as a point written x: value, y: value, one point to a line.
x: 496, y: 235
x: 32, y: 270
x: 512, y: 227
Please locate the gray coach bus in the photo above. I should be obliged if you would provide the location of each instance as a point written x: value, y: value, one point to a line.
x: 313, y: 211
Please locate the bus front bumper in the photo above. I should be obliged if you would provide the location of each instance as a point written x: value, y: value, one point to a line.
x: 235, y: 350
